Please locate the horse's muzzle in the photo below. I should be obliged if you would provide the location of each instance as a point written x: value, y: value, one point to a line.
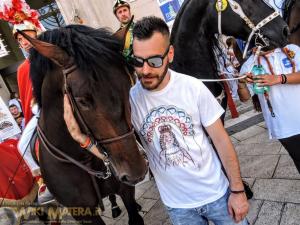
x: 125, y: 178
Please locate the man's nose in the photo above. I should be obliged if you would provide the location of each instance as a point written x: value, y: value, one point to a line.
x: 23, y: 43
x: 146, y: 68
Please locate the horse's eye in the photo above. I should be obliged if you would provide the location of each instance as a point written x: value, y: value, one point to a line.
x: 83, y: 103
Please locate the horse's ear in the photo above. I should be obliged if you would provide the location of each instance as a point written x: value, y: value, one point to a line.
x: 50, y: 51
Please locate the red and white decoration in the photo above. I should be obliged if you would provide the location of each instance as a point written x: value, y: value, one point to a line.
x: 16, y: 11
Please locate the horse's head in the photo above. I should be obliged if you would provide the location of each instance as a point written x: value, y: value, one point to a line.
x: 239, y: 18
x: 198, y: 21
x: 88, y: 65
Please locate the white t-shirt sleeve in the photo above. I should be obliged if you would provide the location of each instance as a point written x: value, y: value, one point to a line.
x: 209, y: 108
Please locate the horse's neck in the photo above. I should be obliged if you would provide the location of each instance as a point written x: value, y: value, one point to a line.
x: 51, y: 117
x: 193, y: 55
x: 57, y: 134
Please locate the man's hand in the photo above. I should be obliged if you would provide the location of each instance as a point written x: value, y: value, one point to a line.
x: 267, y: 80
x: 264, y: 80
x: 238, y: 206
x: 249, y: 78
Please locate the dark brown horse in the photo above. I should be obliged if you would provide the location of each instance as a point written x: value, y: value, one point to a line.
x: 87, y: 64
x: 291, y: 14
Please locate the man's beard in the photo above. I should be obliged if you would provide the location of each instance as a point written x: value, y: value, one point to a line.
x: 160, y: 79
x: 126, y: 21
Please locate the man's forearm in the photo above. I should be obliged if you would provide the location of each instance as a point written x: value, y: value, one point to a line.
x: 238, y: 205
x: 227, y: 154
x: 230, y: 162
x: 293, y: 78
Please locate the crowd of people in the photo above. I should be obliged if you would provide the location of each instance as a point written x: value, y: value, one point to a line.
x: 184, y: 163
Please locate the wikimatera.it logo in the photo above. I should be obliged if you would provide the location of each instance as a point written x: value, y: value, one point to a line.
x: 53, y: 213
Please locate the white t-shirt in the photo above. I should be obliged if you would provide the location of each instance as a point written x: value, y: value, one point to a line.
x: 284, y: 98
x: 185, y: 166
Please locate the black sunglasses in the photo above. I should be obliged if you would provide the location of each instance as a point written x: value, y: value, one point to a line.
x: 155, y: 61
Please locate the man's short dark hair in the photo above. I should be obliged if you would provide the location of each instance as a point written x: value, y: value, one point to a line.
x: 144, y: 28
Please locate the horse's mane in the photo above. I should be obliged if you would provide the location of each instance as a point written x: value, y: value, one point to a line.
x: 92, y: 49
x: 179, y: 15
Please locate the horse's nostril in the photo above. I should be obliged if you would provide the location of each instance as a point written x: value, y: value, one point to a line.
x: 124, y: 179
x: 286, y: 31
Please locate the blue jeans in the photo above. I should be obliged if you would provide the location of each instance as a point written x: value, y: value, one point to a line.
x: 216, y: 212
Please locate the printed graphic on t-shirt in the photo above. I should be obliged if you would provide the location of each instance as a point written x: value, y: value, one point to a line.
x: 168, y: 125
x: 287, y: 63
x: 172, y: 154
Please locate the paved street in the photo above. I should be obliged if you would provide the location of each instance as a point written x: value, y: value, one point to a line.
x: 265, y: 165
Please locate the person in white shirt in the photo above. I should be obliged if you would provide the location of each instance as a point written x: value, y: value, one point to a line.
x: 170, y: 112
x: 228, y: 63
x: 282, y: 68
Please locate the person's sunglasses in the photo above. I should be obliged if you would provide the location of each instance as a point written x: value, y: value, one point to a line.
x: 155, y: 61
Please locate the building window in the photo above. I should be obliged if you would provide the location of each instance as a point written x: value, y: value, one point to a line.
x: 50, y: 16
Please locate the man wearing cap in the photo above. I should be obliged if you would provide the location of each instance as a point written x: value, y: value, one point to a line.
x: 30, y: 109
x: 121, y: 10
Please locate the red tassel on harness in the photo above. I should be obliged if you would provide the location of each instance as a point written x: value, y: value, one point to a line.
x: 230, y: 102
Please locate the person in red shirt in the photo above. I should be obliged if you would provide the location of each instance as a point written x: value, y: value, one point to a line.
x: 27, y: 102
x: 24, y: 82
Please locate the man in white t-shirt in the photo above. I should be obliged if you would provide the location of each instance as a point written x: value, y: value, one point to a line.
x: 282, y: 68
x: 170, y: 112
